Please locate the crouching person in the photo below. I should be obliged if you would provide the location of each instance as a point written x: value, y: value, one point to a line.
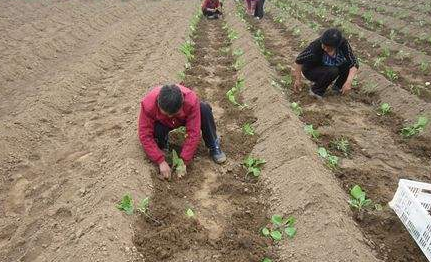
x: 212, y: 9
x: 168, y: 107
x: 329, y: 58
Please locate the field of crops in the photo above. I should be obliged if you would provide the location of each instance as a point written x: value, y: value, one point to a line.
x: 75, y: 184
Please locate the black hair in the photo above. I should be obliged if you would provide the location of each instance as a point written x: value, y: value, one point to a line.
x: 332, y: 37
x: 170, y: 99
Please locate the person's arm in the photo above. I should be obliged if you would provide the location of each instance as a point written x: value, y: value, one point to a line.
x: 146, y: 136
x: 193, y: 127
x: 354, y: 66
x: 305, y: 56
x: 298, y: 77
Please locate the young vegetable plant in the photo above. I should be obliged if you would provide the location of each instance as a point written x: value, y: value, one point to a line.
x: 384, y: 109
x: 266, y: 260
x: 331, y: 160
x: 187, y: 49
x: 280, y: 225
x: 232, y: 34
x: 126, y: 204
x: 286, y: 80
x: 248, y: 129
x: 238, y: 64
x: 190, y: 213
x: 238, y: 52
x: 177, y: 163
x: 253, y: 166
x: 416, y: 128
x: 296, y: 108
x: 234, y: 91
x: 424, y: 66
x: 358, y: 198
x: 391, y: 74
x: 342, y: 145
x: 311, y: 131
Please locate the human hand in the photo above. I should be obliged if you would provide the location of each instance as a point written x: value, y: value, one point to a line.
x: 165, y: 170
x: 181, y: 172
x: 297, y: 85
x: 346, y: 87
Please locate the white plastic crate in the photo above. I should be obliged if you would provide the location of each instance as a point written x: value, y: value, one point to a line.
x: 412, y: 203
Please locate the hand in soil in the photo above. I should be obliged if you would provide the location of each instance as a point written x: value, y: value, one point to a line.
x: 346, y: 88
x: 165, y: 170
x: 182, y: 172
x: 297, y: 86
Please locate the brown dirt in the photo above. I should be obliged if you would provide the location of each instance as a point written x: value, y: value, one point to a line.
x: 226, y: 227
x: 350, y: 119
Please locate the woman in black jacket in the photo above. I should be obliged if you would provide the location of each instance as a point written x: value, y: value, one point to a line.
x: 326, y: 59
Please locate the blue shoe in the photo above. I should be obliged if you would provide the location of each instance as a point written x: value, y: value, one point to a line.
x: 217, y: 155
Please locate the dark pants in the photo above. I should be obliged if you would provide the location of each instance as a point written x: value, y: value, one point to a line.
x: 215, y: 13
x: 323, y: 76
x: 258, y: 12
x: 208, y: 128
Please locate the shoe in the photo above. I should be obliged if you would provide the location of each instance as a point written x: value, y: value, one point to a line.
x: 336, y: 89
x: 311, y: 93
x: 217, y: 155
x: 211, y: 16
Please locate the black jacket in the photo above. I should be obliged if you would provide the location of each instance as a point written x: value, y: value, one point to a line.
x: 312, y: 56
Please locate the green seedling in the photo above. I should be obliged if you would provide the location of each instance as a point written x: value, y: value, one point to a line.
x: 391, y: 74
x: 190, y: 213
x: 342, y: 145
x: 266, y: 260
x: 286, y: 80
x: 311, y: 131
x: 296, y: 108
x: 177, y: 163
x: 253, y: 166
x: 416, y: 128
x: 331, y: 160
x: 354, y: 10
x: 238, y: 64
x: 126, y: 204
x: 232, y: 34
x: 392, y: 34
x: 296, y: 32
x: 369, y: 89
x: 143, y: 205
x: 385, y: 52
x: 424, y: 66
x: 378, y: 61
x: 281, y: 67
x: 368, y: 17
x: 238, y: 52
x: 234, y: 91
x: 401, y: 55
x: 416, y: 89
x: 384, y: 109
x: 225, y: 50
x: 358, y: 198
x: 181, y: 75
x: 187, y: 49
x: 280, y: 225
x: 248, y: 129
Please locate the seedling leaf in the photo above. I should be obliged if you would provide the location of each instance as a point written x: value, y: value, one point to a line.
x: 178, y: 163
x: 277, y: 220
x: 276, y: 235
x: 126, y: 204
x: 290, y: 231
x: 322, y: 152
x: 143, y: 205
x: 190, y: 213
x: 265, y: 231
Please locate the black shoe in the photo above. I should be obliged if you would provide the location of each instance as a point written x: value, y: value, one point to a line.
x: 336, y: 89
x: 217, y: 155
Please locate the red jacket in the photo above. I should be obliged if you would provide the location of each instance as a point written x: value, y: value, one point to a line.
x: 213, y: 4
x: 188, y: 116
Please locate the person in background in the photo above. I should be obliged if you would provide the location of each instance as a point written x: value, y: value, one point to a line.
x: 212, y: 9
x: 167, y: 107
x: 328, y: 58
x: 258, y: 13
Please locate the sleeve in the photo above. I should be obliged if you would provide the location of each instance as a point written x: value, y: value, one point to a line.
x: 351, y: 59
x: 305, y: 56
x: 204, y: 4
x: 146, y: 136
x: 193, y: 126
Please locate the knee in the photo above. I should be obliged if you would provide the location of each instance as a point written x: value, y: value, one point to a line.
x: 205, y: 108
x: 333, y: 72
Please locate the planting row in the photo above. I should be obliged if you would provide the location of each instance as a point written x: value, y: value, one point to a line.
x: 354, y: 153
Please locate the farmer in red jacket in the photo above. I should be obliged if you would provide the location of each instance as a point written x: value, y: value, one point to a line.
x: 212, y: 8
x: 171, y: 106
